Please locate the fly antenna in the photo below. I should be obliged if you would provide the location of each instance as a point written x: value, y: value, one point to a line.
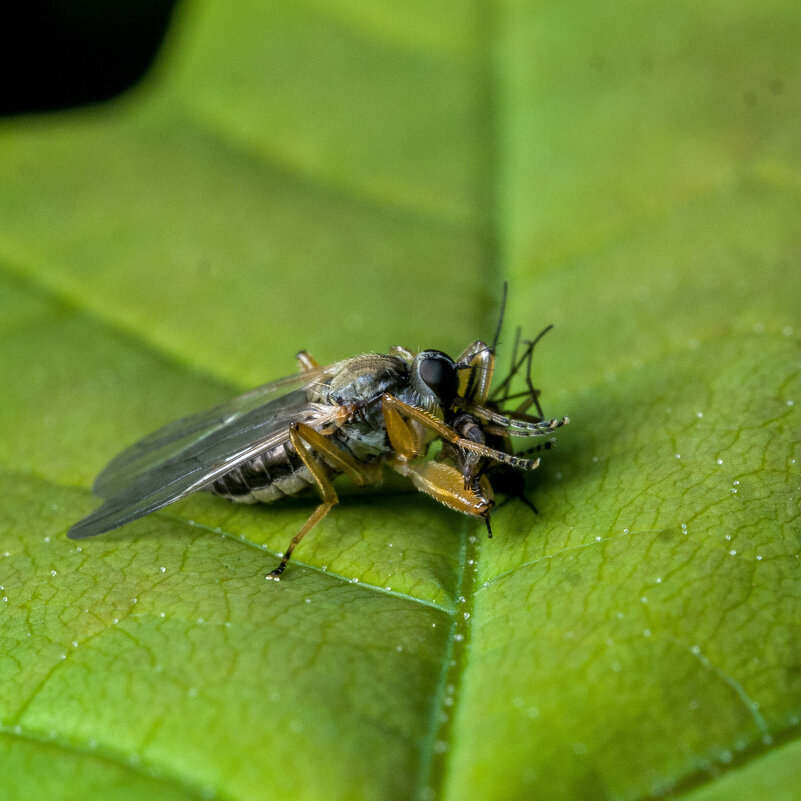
x: 500, y: 318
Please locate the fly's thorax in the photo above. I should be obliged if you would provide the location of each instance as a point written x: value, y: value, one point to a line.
x: 364, y: 379
x: 359, y: 385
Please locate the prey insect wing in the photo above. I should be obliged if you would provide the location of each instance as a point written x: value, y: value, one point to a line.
x: 190, y: 453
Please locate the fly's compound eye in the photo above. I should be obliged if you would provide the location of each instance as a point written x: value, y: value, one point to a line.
x: 439, y: 372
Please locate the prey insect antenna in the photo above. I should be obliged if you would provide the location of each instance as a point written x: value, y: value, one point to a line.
x: 518, y: 335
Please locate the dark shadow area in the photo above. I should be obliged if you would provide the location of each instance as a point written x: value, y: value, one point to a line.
x: 56, y: 54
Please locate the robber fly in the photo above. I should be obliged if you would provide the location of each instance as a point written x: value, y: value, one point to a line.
x: 350, y: 418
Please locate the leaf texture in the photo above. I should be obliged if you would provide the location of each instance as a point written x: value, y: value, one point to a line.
x: 341, y: 178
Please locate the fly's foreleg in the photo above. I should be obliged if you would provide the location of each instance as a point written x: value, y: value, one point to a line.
x: 308, y: 442
x: 444, y: 483
x: 396, y: 412
x: 407, y: 439
x: 441, y: 481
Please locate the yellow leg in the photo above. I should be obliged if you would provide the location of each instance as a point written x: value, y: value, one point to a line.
x: 360, y: 473
x: 427, y: 420
x: 306, y: 442
x: 406, y: 440
x: 306, y: 361
x: 444, y: 483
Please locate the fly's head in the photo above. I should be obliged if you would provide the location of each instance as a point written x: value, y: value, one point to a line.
x: 434, y: 378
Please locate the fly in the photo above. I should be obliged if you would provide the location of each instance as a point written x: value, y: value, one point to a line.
x: 351, y: 417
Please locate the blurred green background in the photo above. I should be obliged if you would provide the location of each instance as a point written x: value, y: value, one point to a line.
x: 340, y: 177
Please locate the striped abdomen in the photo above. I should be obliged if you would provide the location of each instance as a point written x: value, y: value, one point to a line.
x: 267, y: 477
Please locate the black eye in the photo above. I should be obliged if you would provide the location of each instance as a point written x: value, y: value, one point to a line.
x: 440, y: 374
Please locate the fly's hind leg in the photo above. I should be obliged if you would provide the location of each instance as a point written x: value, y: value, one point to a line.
x: 306, y: 361
x: 308, y: 442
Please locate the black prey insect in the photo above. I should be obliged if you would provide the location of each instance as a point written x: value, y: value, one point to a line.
x: 352, y: 418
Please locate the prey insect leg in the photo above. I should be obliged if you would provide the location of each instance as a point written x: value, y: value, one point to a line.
x: 307, y: 442
x: 531, y: 396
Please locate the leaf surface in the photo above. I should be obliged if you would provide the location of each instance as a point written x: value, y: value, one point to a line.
x: 339, y: 178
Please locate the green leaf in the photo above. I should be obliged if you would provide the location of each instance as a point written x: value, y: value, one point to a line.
x: 339, y: 178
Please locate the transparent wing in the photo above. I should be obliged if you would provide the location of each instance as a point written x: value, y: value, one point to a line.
x: 190, y: 453
x: 246, y: 413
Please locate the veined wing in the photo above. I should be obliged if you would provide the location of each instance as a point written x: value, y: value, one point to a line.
x: 190, y: 453
x: 277, y: 398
